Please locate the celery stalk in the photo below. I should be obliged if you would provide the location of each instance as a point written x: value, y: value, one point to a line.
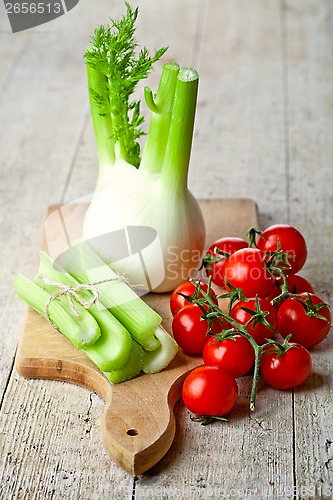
x: 132, y: 368
x: 81, y: 331
x: 155, y: 361
x: 134, y: 314
x: 112, y: 350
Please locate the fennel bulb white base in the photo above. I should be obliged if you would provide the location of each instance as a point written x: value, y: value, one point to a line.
x: 152, y: 234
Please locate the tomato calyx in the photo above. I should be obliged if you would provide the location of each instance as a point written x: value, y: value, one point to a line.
x: 278, y: 260
x: 206, y: 419
x: 226, y: 334
x: 195, y: 298
x: 257, y: 316
x: 252, y: 234
x: 311, y: 309
x: 235, y: 295
x: 305, y: 299
x: 279, y: 349
x: 210, y: 259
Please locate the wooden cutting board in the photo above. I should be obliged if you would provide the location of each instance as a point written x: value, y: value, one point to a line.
x: 138, y: 425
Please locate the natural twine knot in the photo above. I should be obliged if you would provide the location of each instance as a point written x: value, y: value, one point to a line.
x: 71, y: 292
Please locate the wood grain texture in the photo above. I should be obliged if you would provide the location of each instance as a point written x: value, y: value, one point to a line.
x: 310, y: 124
x: 138, y: 426
x: 264, y: 132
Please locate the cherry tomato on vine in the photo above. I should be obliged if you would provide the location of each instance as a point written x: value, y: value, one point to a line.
x: 305, y: 328
x: 229, y: 245
x: 190, y: 331
x: 290, y: 369
x: 187, y: 288
x: 246, y: 269
x: 210, y: 391
x: 234, y: 354
x: 291, y: 242
x: 259, y: 331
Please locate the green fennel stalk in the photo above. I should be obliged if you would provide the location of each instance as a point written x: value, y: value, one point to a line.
x: 178, y: 150
x: 161, y: 106
x: 114, y: 69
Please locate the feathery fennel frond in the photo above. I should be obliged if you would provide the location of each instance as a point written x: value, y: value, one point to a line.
x: 114, y: 54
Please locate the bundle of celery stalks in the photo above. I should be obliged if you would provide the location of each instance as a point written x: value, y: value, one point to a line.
x: 119, y: 332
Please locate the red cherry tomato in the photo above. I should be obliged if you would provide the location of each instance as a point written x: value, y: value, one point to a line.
x: 298, y: 284
x: 210, y: 391
x: 228, y: 245
x: 259, y: 332
x: 187, y: 288
x: 234, y: 354
x: 289, y: 370
x: 246, y: 269
x: 291, y: 241
x: 306, y: 330
x: 190, y: 331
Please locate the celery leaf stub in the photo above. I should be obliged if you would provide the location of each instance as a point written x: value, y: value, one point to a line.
x: 149, y: 191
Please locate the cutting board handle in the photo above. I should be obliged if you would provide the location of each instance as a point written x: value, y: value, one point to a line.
x: 138, y: 430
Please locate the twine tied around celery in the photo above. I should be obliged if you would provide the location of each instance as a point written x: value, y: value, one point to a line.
x: 71, y: 292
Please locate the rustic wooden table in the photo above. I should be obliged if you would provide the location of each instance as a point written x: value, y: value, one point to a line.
x: 264, y: 131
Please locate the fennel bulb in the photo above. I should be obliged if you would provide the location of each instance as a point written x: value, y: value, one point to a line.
x: 143, y: 221
x: 135, y: 198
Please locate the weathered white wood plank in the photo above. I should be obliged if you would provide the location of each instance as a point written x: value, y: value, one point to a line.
x: 310, y: 117
x: 39, y: 125
x: 239, y: 146
x: 12, y: 50
x: 56, y: 450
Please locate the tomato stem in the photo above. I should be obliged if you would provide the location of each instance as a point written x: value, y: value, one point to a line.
x: 257, y: 359
x: 214, y: 312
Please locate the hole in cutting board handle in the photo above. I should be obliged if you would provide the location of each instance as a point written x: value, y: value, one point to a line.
x: 132, y: 432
